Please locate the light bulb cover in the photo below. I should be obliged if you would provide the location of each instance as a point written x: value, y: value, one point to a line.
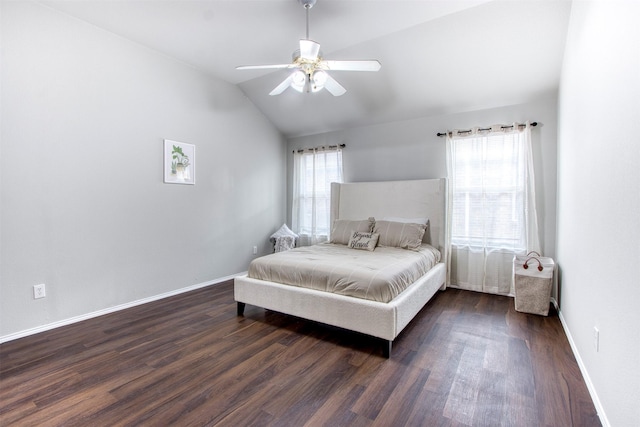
x: 298, y: 80
x: 319, y: 79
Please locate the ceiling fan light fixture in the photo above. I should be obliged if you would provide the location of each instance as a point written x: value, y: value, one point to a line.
x: 319, y: 79
x: 298, y: 80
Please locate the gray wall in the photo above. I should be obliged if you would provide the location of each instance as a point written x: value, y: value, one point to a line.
x: 84, y: 206
x: 599, y: 201
x: 411, y: 150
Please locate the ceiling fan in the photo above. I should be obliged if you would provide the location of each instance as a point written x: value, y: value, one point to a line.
x: 311, y: 69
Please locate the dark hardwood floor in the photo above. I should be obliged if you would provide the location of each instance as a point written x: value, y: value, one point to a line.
x: 467, y: 359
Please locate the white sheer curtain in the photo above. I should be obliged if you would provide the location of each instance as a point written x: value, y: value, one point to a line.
x: 492, y: 213
x: 313, y: 172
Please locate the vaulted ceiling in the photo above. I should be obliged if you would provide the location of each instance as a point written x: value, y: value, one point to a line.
x: 438, y: 57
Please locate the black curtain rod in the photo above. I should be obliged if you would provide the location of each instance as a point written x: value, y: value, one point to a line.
x: 483, y: 129
x: 320, y: 148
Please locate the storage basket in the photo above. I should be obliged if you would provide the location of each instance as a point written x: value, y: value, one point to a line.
x: 533, y: 279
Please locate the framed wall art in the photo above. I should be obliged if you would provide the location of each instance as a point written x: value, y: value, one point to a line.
x: 179, y: 162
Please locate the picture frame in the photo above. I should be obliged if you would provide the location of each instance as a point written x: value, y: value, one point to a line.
x: 179, y: 162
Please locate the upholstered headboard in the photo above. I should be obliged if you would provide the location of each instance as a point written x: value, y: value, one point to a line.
x: 426, y: 198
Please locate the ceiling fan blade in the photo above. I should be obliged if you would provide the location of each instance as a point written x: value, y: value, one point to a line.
x: 282, y: 86
x: 367, y: 65
x: 333, y: 86
x: 309, y: 49
x: 264, y: 67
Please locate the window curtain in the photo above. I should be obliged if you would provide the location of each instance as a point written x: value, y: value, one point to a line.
x: 314, y: 171
x: 492, y: 214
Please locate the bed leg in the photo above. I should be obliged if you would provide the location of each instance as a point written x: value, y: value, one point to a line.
x: 241, y: 308
x: 386, y: 348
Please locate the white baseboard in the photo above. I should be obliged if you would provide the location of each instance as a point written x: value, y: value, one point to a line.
x: 583, y: 370
x: 113, y: 309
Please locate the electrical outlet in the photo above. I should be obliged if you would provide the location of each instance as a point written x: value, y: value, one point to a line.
x: 255, y: 250
x: 39, y: 291
x: 596, y: 339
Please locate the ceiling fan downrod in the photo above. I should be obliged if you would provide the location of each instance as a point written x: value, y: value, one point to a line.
x: 307, y: 4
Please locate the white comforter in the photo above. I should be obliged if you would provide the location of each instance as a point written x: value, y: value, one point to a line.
x: 379, y: 275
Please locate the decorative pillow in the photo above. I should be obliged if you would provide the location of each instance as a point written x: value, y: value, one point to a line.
x: 400, y: 235
x: 361, y: 240
x: 343, y: 228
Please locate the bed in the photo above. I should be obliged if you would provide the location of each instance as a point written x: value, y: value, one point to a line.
x: 393, y: 200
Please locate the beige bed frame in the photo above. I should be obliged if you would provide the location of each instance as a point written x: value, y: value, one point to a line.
x: 405, y: 199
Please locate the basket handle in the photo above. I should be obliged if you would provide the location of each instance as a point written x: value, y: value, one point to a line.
x: 533, y: 252
x: 526, y: 263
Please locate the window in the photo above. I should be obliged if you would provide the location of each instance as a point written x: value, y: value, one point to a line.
x: 489, y: 192
x: 314, y: 171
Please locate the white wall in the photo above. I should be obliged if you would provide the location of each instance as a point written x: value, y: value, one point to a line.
x: 84, y: 206
x: 599, y: 200
x: 411, y: 150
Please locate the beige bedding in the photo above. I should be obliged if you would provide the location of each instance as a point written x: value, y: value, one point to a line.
x: 379, y: 275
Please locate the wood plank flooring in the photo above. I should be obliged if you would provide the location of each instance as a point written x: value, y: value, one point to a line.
x: 467, y: 359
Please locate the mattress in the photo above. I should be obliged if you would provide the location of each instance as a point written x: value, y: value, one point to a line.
x: 378, y: 275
